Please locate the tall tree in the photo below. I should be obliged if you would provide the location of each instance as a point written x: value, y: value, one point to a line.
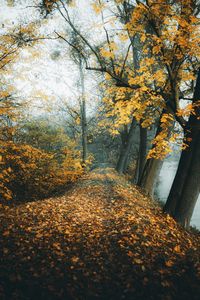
x: 169, y: 47
x: 126, y: 142
x: 84, y: 125
x: 186, y: 185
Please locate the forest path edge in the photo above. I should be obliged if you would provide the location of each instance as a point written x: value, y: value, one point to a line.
x: 102, y: 236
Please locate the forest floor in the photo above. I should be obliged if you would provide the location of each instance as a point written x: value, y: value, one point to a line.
x: 103, y: 239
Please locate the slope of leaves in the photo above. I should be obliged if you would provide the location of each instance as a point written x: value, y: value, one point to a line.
x: 101, y: 240
x: 30, y: 173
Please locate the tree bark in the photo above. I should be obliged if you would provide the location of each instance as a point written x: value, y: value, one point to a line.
x: 186, y: 185
x: 151, y: 170
x: 191, y: 188
x: 83, y: 117
x: 179, y: 180
x: 142, y: 152
x: 127, y: 141
x: 150, y: 174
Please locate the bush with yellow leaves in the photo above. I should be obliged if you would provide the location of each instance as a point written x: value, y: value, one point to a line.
x: 27, y: 172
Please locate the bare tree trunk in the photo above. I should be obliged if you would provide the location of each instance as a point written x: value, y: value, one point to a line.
x: 142, y: 152
x: 127, y: 141
x: 191, y: 188
x: 127, y: 160
x: 150, y: 174
x: 123, y: 150
x: 179, y: 180
x: 151, y: 171
x: 186, y: 186
x: 83, y: 117
x: 136, y: 173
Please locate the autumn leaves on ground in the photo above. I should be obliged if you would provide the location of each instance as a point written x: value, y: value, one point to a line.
x: 103, y: 239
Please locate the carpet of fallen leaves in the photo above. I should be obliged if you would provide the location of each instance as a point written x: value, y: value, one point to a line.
x: 103, y: 239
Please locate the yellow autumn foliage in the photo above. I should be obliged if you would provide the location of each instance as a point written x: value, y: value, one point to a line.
x: 27, y: 172
x: 163, y: 142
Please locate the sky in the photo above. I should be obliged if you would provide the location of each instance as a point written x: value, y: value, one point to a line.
x: 46, y: 70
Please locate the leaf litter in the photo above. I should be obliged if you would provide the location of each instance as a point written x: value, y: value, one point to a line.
x: 103, y: 239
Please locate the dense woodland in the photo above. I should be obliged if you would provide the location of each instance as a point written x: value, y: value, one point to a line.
x: 89, y: 143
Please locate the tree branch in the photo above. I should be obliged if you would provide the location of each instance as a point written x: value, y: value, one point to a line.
x: 68, y: 20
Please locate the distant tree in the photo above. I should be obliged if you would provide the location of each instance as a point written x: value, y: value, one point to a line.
x: 40, y: 134
x: 80, y: 62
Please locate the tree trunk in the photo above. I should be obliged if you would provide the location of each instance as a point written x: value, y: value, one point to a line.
x: 191, y: 188
x: 136, y: 174
x: 83, y: 117
x: 186, y: 186
x: 127, y: 140
x: 142, y: 152
x: 150, y: 174
x: 123, y: 150
x: 151, y: 170
x: 179, y: 180
x: 127, y: 160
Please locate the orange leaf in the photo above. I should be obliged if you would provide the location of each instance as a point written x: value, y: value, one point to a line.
x: 6, y: 233
x: 130, y: 253
x: 169, y: 263
x: 75, y: 259
x: 177, y: 249
x: 57, y: 246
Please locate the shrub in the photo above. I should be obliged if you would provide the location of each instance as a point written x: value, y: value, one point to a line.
x: 27, y: 172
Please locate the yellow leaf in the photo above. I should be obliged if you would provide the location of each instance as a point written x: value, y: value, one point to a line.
x: 123, y: 37
x: 143, y: 38
x: 97, y: 7
x: 138, y: 261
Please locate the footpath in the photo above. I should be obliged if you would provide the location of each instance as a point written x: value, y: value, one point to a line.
x: 103, y: 239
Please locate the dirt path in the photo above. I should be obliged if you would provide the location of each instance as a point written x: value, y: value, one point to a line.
x: 102, y: 240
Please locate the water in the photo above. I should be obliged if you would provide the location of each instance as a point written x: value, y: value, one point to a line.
x: 164, y: 183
